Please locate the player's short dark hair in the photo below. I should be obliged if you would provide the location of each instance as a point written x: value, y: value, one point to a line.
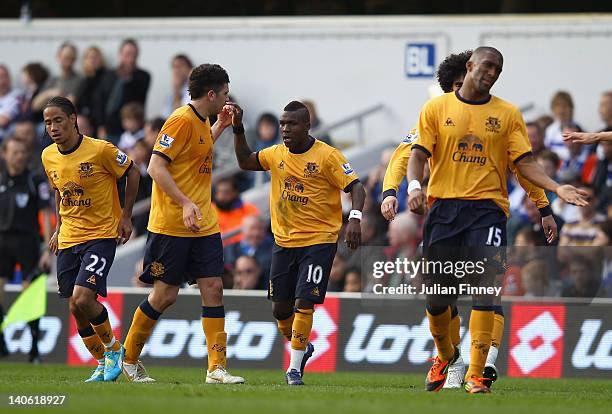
x: 487, y: 49
x: 184, y: 58
x: 295, y: 106
x: 65, y: 105
x: 205, y: 78
x: 451, y: 67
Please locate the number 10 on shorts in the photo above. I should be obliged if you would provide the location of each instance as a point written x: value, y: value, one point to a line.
x: 315, y: 274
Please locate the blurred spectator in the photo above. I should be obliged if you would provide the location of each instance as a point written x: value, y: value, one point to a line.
x: 25, y: 130
x: 316, y: 123
x: 256, y: 242
x: 544, y: 121
x: 604, y: 239
x: 602, y: 177
x: 85, y: 126
x: 266, y: 132
x: 336, y: 274
x: 151, y: 130
x: 89, y: 97
x: 536, y: 137
x: 127, y: 83
x: 562, y: 107
x: 247, y: 274
x: 230, y: 208
x: 376, y: 177
x: 33, y: 77
x: 181, y: 68
x: 132, y: 121
x: 579, y: 160
x: 584, y: 279
x: 67, y: 83
x: 535, y: 280
x: 404, y: 237
x: 10, y: 100
x: 550, y: 161
x: 584, y: 231
x: 141, y: 155
x: 352, y: 280
x: 605, y: 110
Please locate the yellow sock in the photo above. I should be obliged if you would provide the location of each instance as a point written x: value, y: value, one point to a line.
x: 455, y: 330
x: 439, y: 326
x: 92, y: 342
x: 101, y: 325
x: 481, y: 326
x: 498, y: 330
x: 302, y: 325
x: 143, y: 322
x: 213, y: 323
x: 285, y: 326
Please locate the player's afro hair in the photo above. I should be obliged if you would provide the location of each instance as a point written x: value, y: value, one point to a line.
x: 454, y: 65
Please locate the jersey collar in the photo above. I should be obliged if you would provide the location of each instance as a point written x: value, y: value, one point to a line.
x: 73, y: 149
x: 469, y: 102
x: 310, y: 144
x: 197, y: 113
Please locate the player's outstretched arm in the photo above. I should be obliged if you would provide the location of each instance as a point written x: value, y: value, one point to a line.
x: 353, y: 229
x: 131, y: 190
x: 247, y: 159
x: 588, y: 137
x: 416, y: 166
x: 533, y: 172
x: 158, y: 170
x: 395, y: 173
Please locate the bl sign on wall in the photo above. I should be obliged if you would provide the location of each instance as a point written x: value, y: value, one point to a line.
x: 420, y: 60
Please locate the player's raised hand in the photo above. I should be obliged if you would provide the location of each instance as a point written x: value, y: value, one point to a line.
x: 236, y: 112
x: 388, y: 208
x: 573, y: 195
x: 224, y: 118
x: 53, y: 242
x: 352, y: 235
x: 417, y: 201
x: 191, y: 216
x: 580, y: 137
x: 124, y: 230
x: 550, y: 228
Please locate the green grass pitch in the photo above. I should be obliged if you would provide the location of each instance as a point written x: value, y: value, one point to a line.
x: 182, y: 390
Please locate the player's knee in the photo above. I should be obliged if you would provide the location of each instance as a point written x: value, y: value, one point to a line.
x: 72, y: 306
x: 282, y: 310
x: 82, y: 302
x: 165, y: 301
x: 304, y: 304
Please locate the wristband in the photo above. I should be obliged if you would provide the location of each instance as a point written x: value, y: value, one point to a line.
x: 545, y: 211
x: 356, y: 214
x: 414, y: 185
x: 238, y: 129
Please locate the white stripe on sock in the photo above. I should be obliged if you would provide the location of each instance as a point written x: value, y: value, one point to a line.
x: 492, y: 355
x: 111, y: 343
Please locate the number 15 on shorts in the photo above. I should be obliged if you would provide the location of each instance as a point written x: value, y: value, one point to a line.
x: 495, y: 236
x: 315, y: 274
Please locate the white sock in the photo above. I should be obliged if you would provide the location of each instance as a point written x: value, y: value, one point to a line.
x: 296, y: 359
x: 492, y: 355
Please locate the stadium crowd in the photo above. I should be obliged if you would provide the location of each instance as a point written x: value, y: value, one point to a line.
x: 111, y: 104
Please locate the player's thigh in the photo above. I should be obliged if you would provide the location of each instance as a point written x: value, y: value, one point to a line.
x: 283, y: 274
x: 68, y: 265
x: 165, y: 259
x: 96, y: 260
x: 315, y: 264
x: 205, y: 260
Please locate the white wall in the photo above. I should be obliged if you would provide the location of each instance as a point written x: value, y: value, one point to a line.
x: 345, y: 64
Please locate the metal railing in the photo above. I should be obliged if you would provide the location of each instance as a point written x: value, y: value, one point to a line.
x: 357, y: 117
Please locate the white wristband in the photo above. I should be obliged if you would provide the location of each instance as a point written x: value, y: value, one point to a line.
x: 356, y: 214
x: 414, y: 185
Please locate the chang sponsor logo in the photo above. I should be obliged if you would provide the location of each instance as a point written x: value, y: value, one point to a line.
x: 292, y: 191
x: 470, y: 150
x: 72, y: 195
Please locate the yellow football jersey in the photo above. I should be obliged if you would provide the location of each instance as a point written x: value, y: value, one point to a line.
x: 471, y: 145
x: 305, y: 207
x: 397, y: 169
x: 86, y: 178
x: 186, y: 142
